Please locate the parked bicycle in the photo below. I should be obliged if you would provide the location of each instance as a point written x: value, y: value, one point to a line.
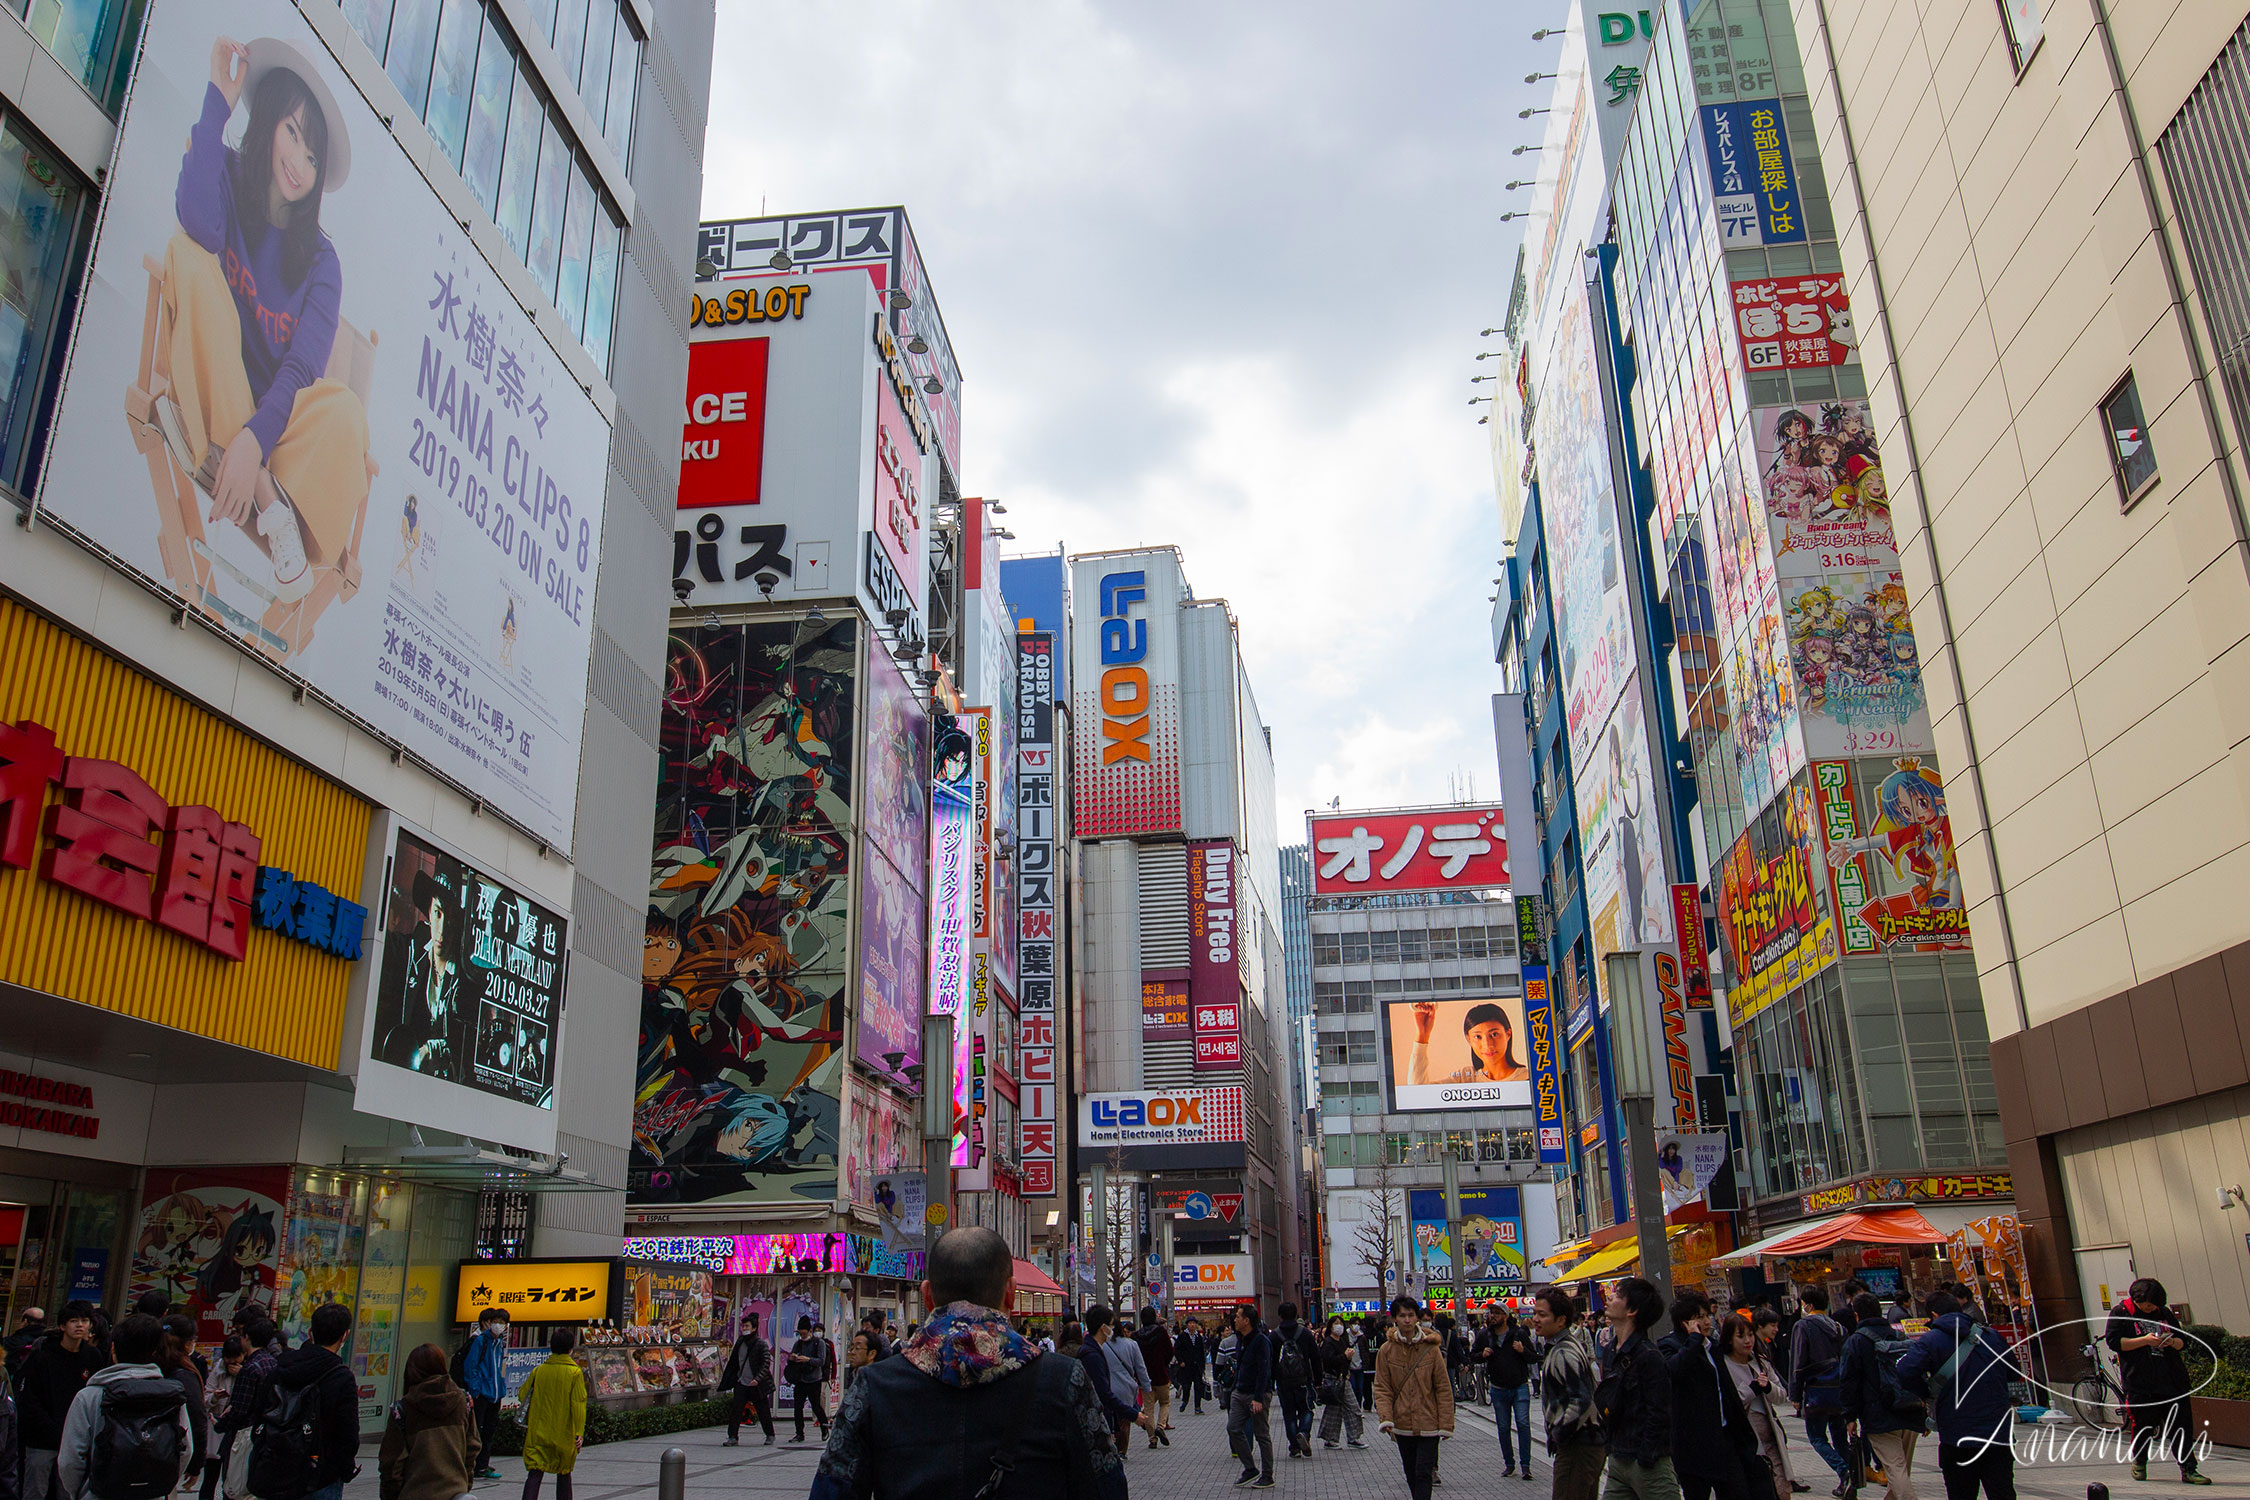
x: 2096, y: 1399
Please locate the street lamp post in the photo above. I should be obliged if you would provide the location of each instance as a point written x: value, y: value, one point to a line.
x: 1633, y: 1063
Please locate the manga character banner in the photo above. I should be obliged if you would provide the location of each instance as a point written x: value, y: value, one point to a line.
x: 210, y: 1239
x: 469, y: 997
x: 1771, y: 914
x: 747, y: 954
x: 1852, y: 652
x: 1621, y: 833
x: 345, y: 443
x: 1891, y: 865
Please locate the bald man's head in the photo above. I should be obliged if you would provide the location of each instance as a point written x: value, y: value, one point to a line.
x: 970, y: 1264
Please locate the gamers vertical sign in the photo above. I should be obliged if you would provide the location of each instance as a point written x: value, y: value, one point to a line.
x: 1214, y: 968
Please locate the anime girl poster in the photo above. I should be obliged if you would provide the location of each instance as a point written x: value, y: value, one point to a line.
x: 746, y: 956
x: 211, y: 1240
x: 1890, y: 855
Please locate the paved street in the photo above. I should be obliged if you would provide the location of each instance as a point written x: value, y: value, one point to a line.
x: 1197, y: 1466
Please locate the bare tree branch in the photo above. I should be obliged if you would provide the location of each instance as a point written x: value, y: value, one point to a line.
x: 1376, y: 1237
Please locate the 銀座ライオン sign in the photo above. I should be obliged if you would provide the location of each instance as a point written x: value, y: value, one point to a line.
x: 535, y: 1291
x: 143, y: 838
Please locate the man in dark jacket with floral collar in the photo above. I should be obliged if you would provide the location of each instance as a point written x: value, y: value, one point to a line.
x: 970, y: 1400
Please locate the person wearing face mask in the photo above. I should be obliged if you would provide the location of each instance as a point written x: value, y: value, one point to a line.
x: 1339, y: 1411
x: 480, y: 1374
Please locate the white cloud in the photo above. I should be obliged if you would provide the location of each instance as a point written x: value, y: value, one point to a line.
x: 1214, y: 276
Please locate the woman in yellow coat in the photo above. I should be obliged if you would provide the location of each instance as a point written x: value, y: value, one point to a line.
x: 553, y: 1399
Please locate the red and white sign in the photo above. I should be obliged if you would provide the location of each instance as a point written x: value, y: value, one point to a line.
x: 1430, y: 849
x: 1214, y: 962
x: 723, y: 443
x: 1794, y: 322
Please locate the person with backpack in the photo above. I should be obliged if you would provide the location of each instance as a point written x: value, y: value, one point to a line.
x: 971, y: 1407
x: 430, y: 1443
x: 127, y: 1435
x: 218, y: 1389
x: 2144, y: 1333
x: 1962, y: 1369
x: 749, y: 1376
x: 1634, y: 1398
x: 11, y: 1443
x: 806, y: 1368
x: 553, y: 1401
x: 30, y: 1329
x: 1296, y: 1361
x: 245, y: 1400
x: 480, y: 1369
x: 1569, y: 1372
x: 1816, y: 1352
x: 305, y: 1443
x: 1504, y: 1349
x: 1413, y: 1396
x: 1156, y: 1353
x: 1890, y: 1418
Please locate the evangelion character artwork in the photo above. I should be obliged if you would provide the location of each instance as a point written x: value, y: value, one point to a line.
x: 745, y: 958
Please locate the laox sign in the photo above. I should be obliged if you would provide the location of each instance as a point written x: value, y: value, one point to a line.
x: 1160, y: 1110
x: 1125, y: 690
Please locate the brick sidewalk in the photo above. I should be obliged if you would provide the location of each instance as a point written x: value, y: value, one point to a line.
x: 1198, y: 1466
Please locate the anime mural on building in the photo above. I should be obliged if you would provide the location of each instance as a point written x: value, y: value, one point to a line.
x: 1619, y: 828
x: 1579, y: 500
x: 746, y: 957
x: 210, y: 1238
x: 1851, y: 642
x: 1891, y: 863
x: 1775, y: 925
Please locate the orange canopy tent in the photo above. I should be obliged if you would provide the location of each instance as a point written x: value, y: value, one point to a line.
x: 1893, y: 1225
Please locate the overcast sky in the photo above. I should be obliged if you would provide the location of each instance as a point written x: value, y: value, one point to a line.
x: 1215, y: 276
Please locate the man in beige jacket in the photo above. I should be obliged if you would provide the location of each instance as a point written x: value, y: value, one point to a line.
x: 1413, y: 1395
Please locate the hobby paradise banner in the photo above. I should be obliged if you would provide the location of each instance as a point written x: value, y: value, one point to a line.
x: 343, y: 441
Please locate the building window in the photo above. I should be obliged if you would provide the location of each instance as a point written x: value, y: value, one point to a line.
x: 1471, y: 942
x: 1382, y: 947
x: 1355, y: 947
x: 1327, y: 949
x: 2131, y: 456
x: 1359, y: 997
x: 41, y: 259
x: 1413, y: 947
x: 1328, y: 997
x: 1362, y: 1048
x: 2024, y: 27
x: 460, y: 68
x: 2203, y: 150
x: 1442, y: 945
x: 94, y: 40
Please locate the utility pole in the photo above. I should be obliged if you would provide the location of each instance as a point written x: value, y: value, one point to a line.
x: 1101, y: 1231
x: 937, y: 1122
x: 1452, y: 1166
x: 1633, y: 1056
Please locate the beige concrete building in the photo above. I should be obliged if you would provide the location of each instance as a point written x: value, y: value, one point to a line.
x: 2041, y: 207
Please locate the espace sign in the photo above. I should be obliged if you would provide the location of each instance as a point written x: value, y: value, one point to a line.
x: 1161, y: 1117
x: 1126, y: 663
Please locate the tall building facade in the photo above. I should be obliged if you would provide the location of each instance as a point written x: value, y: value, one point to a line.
x: 1754, y: 767
x: 2056, y: 373
x: 333, y: 652
x: 1425, y: 1053
x: 836, y: 800
x: 1179, y: 1023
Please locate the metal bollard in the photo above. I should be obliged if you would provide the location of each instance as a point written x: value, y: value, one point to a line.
x: 671, y: 1475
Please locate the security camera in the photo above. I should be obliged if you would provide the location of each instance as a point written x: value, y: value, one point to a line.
x: 682, y: 587
x: 765, y: 580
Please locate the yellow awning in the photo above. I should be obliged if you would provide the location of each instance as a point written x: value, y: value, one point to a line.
x: 1607, y: 1261
x: 1567, y: 1252
x: 1615, y: 1258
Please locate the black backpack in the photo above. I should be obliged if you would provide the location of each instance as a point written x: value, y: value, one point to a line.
x: 1904, y: 1404
x: 1291, y: 1371
x: 139, y: 1450
x: 285, y: 1444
